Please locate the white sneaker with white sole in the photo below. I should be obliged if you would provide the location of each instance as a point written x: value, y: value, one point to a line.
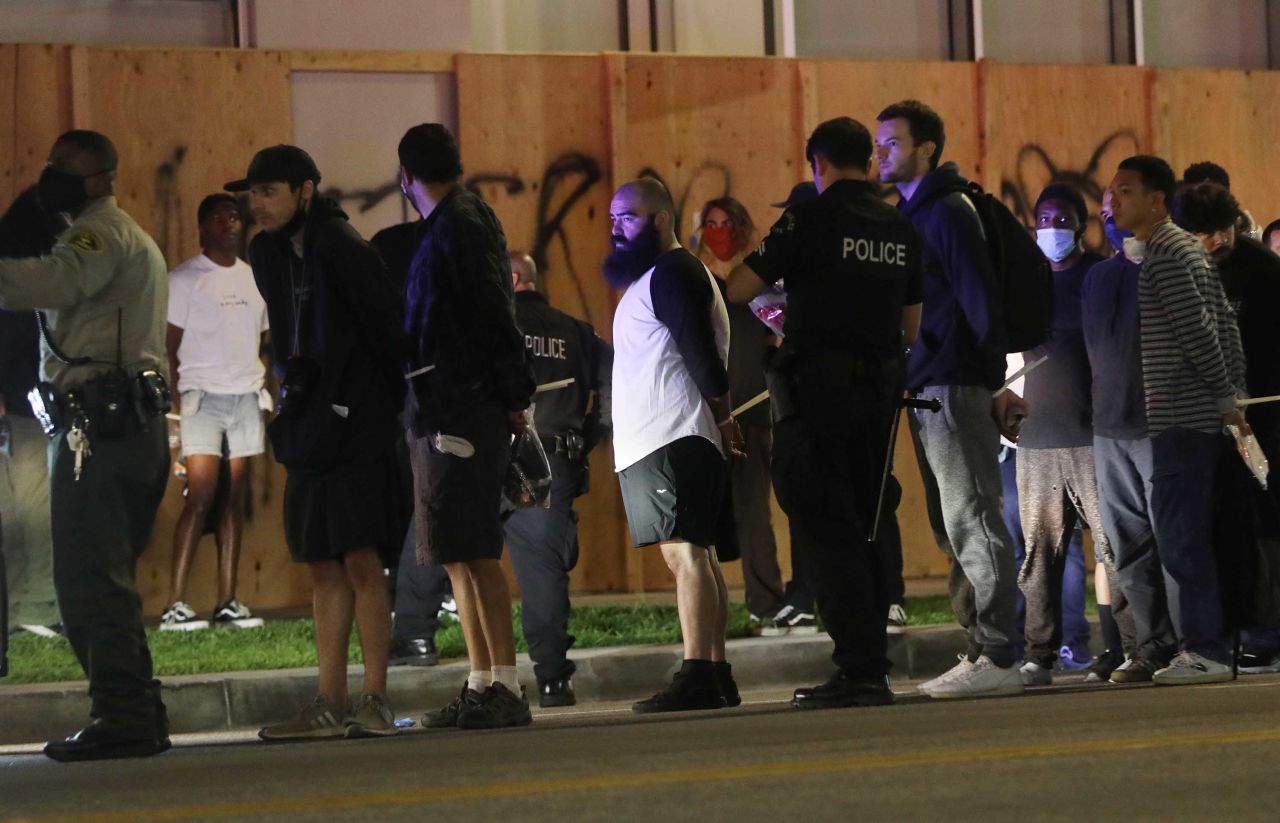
x: 955, y: 671
x: 983, y: 679
x: 1189, y: 668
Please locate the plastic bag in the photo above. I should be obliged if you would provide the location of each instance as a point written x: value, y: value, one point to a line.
x: 770, y: 306
x: 528, y: 481
x: 1251, y: 453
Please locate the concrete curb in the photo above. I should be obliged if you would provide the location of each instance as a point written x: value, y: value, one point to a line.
x: 201, y: 703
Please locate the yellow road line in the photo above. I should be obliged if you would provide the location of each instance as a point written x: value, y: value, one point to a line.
x: 484, y: 791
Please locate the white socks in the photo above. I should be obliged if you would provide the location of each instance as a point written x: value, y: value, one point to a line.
x: 479, y: 681
x: 506, y: 675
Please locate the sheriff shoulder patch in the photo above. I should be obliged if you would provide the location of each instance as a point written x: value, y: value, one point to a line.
x: 86, y: 241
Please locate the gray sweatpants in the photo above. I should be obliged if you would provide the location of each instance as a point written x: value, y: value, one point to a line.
x: 1056, y: 489
x: 957, y: 450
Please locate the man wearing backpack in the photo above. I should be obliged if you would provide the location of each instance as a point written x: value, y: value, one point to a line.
x: 959, y: 359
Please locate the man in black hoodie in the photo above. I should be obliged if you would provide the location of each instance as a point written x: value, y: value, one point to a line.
x: 335, y: 319
x: 958, y: 359
x: 470, y: 387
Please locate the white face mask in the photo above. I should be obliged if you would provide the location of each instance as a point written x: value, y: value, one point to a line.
x: 1135, y: 249
x: 1057, y: 244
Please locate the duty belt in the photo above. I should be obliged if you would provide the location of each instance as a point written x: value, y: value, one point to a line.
x: 569, y: 443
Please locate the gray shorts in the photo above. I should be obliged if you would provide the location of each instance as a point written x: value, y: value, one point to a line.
x: 208, y: 417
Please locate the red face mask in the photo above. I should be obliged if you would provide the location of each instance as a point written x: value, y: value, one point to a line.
x: 720, y: 240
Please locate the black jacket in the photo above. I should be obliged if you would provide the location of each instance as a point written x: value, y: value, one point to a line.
x: 349, y: 323
x: 961, y: 339
x: 460, y: 317
x: 25, y: 231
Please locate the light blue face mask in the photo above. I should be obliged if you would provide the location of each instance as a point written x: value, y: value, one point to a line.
x: 1057, y: 244
x: 1115, y: 234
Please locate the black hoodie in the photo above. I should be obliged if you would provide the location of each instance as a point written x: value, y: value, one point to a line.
x: 349, y: 323
x: 961, y: 339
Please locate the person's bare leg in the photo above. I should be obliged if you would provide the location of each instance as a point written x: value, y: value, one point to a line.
x: 202, y: 484
x: 332, y: 607
x: 372, y: 615
x: 467, y: 600
x: 1101, y: 585
x: 231, y: 528
x: 493, y: 605
x: 722, y: 609
x: 696, y: 596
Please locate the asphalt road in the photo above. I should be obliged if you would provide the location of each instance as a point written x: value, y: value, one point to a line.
x: 1071, y: 752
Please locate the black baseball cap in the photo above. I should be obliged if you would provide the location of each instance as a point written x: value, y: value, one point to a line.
x: 289, y: 164
x: 800, y: 193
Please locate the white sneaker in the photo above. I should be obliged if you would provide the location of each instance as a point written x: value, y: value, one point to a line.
x: 897, y: 621
x: 983, y: 679
x: 955, y: 671
x: 1187, y: 668
x: 181, y: 618
x: 1033, y: 674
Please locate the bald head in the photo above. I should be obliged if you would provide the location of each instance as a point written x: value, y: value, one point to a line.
x: 640, y: 203
x: 524, y: 272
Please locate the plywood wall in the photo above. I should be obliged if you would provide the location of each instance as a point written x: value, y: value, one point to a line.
x: 1229, y: 117
x: 547, y: 138
x: 1047, y: 124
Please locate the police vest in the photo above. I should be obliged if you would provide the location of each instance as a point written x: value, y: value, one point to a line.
x: 556, y: 345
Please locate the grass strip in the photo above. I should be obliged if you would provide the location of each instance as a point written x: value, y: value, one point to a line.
x: 289, y: 644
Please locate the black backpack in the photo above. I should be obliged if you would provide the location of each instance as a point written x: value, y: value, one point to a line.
x: 1022, y: 272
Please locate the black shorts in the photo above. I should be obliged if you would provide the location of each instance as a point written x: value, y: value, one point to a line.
x: 457, y: 500
x: 351, y: 506
x: 675, y: 493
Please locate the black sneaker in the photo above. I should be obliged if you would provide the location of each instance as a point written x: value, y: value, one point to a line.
x: 844, y: 690
x: 447, y: 717
x: 1103, y: 665
x: 498, y: 708
x: 790, y: 620
x: 1135, y: 670
x: 728, y: 686
x: 413, y: 651
x: 556, y: 692
x: 1258, y: 660
x: 693, y: 688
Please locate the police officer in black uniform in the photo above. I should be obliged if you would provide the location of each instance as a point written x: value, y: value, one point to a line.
x: 853, y: 276
x: 570, y: 421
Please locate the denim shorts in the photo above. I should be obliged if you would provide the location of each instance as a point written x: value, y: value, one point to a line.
x: 207, y: 418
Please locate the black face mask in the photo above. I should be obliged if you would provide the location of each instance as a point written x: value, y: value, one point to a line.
x: 61, y: 191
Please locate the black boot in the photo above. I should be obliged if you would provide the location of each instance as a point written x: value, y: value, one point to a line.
x: 844, y: 690
x: 694, y: 687
x: 728, y: 687
x: 105, y: 739
x: 413, y: 651
x: 558, y: 691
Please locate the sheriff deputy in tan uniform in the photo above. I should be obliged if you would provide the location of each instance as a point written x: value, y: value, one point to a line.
x: 103, y: 295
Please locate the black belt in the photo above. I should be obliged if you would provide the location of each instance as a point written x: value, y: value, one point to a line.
x: 112, y: 404
x: 569, y: 443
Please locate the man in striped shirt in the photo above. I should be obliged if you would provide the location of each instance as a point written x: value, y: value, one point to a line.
x: 1192, y: 376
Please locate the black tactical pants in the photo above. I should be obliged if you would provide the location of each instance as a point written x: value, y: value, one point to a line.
x: 827, y: 464
x: 101, y: 524
x: 544, y: 549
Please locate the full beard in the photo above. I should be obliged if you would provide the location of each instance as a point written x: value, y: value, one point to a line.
x: 630, y: 259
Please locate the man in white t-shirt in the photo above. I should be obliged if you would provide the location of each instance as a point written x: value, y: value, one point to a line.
x: 217, y: 323
x: 673, y: 428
